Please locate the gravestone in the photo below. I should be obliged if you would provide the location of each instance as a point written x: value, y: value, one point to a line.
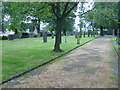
x: 66, y: 38
x: 31, y: 35
x: 45, y: 37
x: 38, y: 35
x: 53, y: 33
x: 10, y: 37
x: 52, y: 36
x: 19, y: 35
x: 16, y: 36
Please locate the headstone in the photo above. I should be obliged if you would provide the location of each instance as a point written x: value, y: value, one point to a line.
x: 31, y: 35
x: 38, y: 35
x: 19, y: 35
x: 66, y: 39
x: 52, y: 36
x: 16, y: 36
x: 45, y: 37
x: 10, y: 37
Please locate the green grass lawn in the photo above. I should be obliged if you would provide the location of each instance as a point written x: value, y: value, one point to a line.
x: 20, y: 54
x: 117, y: 47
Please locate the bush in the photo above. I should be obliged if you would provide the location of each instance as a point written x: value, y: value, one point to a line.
x: 25, y: 35
x: 49, y: 34
x: 35, y: 35
x: 3, y: 38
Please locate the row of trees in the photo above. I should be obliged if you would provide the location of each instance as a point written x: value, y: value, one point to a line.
x: 104, y: 16
x: 59, y: 15
x: 16, y: 13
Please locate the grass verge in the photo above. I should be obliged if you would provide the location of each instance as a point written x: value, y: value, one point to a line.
x: 117, y: 47
x: 21, y: 54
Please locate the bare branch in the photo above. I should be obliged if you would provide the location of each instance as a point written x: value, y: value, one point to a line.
x: 71, y: 9
x: 65, y: 8
x: 53, y: 9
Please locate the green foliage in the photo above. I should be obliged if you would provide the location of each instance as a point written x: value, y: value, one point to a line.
x: 103, y: 15
x: 26, y: 11
x: 68, y: 25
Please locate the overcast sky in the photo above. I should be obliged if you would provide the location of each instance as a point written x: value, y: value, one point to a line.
x: 88, y: 6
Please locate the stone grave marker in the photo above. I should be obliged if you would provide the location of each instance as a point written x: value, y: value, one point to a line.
x: 45, y: 37
x: 16, y: 36
x: 10, y: 37
x: 31, y: 35
x: 38, y: 35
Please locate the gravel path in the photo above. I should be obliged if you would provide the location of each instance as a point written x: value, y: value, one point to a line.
x: 93, y: 65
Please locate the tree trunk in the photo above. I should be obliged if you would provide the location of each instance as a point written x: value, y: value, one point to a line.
x: 80, y: 33
x: 115, y: 32
x: 78, y: 37
x: 84, y: 34
x: 16, y: 32
x: 38, y: 26
x: 101, y: 31
x: 88, y: 34
x: 93, y: 32
x: 119, y: 23
x: 78, y: 40
x: 60, y: 38
x: 58, y: 35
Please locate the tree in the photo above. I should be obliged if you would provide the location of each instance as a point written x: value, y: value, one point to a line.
x: 119, y: 23
x: 61, y: 12
x: 40, y: 12
x: 103, y: 16
x: 81, y: 13
x: 16, y: 15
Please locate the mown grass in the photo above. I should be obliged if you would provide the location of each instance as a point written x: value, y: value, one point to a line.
x: 117, y: 47
x: 20, y: 54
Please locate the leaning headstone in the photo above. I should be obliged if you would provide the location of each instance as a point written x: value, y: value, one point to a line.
x: 45, y: 37
x: 10, y: 37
